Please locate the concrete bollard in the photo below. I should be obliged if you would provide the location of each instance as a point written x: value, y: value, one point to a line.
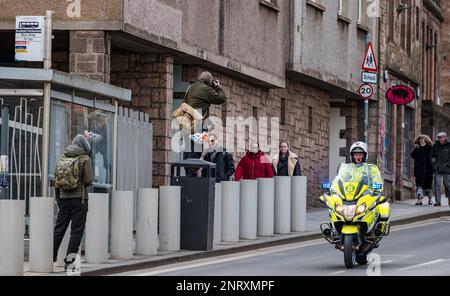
x: 41, y: 234
x: 97, y: 228
x: 147, y: 222
x: 217, y: 237
x: 170, y: 218
x: 122, y: 224
x: 282, y: 205
x: 248, y: 220
x: 12, y: 231
x: 230, y: 211
x: 298, y: 203
x: 266, y: 212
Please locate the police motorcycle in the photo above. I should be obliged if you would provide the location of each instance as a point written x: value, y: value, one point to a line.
x: 359, y: 215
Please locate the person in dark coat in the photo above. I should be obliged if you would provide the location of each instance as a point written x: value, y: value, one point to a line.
x: 200, y: 96
x: 423, y: 168
x: 286, y: 163
x: 440, y: 153
x: 73, y: 205
x: 223, y: 160
x: 255, y: 164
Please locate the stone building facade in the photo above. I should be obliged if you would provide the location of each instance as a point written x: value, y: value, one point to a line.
x: 433, y: 62
x: 298, y: 61
x: 401, y: 60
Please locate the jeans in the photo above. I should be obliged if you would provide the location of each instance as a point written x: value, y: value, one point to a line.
x: 70, y: 210
x: 437, y: 186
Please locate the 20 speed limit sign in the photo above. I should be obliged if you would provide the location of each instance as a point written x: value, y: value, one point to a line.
x: 365, y: 91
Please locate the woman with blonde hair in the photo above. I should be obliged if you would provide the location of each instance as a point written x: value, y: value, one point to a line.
x: 423, y: 168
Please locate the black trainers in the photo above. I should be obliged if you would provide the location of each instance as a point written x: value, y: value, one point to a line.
x: 438, y: 204
x: 430, y: 201
x: 419, y: 202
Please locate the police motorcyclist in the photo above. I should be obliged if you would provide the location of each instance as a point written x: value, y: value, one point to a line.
x: 359, y: 155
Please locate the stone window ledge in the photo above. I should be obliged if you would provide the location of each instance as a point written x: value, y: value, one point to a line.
x: 344, y: 19
x: 270, y: 5
x: 362, y: 28
x: 316, y: 5
x: 388, y: 177
x: 407, y: 183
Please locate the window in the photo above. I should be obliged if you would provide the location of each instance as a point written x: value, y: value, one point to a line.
x: 407, y: 129
x: 317, y: 4
x: 417, y: 23
x: 387, y: 138
x: 360, y: 4
x: 283, y: 112
x: 405, y: 25
x: 391, y: 20
x: 310, y: 119
x: 340, y: 8
x: 409, y: 28
x: 271, y: 4
x: 70, y: 119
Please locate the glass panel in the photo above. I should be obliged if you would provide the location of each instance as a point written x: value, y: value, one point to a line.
x: 70, y: 119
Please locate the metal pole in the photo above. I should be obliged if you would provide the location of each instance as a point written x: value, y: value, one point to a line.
x: 366, y: 109
x: 47, y: 102
x: 366, y: 121
x: 114, y: 147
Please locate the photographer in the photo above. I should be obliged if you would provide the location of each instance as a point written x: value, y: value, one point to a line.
x: 204, y: 93
x: 200, y: 96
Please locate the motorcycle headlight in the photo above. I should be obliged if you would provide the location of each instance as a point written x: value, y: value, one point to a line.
x: 349, y: 212
x: 338, y: 208
x: 361, y: 209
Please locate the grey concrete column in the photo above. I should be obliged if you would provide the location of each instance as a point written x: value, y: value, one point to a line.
x: 266, y: 212
x: 147, y: 222
x: 41, y: 234
x: 248, y: 220
x: 97, y: 228
x: 298, y: 203
x: 12, y: 230
x: 170, y: 218
x: 218, y: 214
x: 122, y: 224
x: 230, y: 211
x: 282, y: 205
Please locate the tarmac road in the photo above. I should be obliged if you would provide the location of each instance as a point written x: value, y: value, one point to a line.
x: 422, y: 248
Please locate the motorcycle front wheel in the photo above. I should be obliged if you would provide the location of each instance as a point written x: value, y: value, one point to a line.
x: 349, y: 251
x: 362, y: 259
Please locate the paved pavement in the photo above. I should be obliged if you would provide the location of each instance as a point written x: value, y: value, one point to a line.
x: 412, y: 250
x: 401, y: 213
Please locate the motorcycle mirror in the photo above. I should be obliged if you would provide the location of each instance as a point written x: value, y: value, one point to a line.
x: 326, y: 186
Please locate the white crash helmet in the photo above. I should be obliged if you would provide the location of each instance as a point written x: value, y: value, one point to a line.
x: 359, y: 147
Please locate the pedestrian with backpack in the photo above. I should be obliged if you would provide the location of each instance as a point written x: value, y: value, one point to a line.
x: 73, y: 174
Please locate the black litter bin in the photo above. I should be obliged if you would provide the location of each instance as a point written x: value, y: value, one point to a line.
x: 197, y: 204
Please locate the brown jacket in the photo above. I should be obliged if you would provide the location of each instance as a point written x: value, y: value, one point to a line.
x: 87, y: 175
x: 292, y: 162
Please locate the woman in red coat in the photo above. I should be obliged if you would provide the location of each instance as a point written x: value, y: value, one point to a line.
x: 254, y: 165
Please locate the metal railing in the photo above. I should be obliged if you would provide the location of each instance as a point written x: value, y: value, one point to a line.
x: 134, y: 150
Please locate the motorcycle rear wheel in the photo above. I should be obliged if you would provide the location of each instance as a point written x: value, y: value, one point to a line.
x: 349, y: 251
